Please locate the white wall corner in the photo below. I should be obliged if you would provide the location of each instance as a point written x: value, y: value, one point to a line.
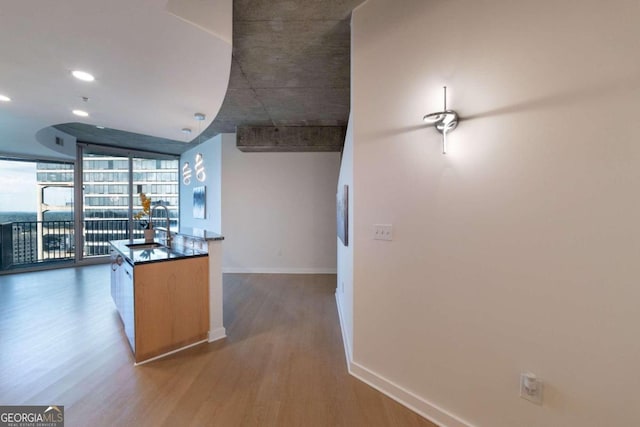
x: 217, y: 334
x: 417, y: 404
x: 343, y: 329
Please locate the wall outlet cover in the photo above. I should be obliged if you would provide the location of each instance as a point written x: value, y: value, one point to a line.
x: 531, y: 388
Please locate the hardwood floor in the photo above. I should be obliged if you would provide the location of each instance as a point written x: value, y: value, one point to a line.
x: 282, y: 364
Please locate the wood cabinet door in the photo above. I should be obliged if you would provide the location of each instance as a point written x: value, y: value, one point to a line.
x: 171, y: 305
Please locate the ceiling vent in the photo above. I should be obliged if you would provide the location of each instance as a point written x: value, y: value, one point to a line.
x: 59, y: 141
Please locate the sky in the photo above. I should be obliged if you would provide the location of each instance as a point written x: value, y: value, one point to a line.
x: 18, y: 188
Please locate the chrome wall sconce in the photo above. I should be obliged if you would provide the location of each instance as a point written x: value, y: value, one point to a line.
x: 445, y: 121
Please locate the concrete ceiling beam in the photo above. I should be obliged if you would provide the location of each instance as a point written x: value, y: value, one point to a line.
x: 290, y: 138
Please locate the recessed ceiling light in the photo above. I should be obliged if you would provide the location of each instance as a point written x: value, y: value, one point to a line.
x: 83, y: 75
x: 186, y: 131
x: 80, y: 113
x: 100, y: 127
x: 4, y: 98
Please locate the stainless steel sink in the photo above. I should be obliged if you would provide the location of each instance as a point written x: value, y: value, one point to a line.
x: 153, y: 245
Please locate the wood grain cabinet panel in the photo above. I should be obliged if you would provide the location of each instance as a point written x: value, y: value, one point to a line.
x: 171, y: 305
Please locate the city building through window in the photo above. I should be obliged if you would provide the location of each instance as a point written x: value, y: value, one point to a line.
x: 45, y: 219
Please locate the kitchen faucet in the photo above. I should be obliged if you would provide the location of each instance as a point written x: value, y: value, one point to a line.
x: 168, y: 238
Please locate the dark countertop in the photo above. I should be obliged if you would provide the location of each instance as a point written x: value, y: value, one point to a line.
x: 200, y: 233
x: 144, y: 256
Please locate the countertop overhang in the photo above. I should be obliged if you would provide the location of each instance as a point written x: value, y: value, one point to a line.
x: 200, y: 233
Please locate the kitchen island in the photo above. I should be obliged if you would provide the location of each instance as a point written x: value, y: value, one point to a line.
x: 162, y: 296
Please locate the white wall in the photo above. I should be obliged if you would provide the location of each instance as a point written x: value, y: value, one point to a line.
x: 344, y: 293
x: 278, y: 211
x: 517, y: 251
x: 211, y: 151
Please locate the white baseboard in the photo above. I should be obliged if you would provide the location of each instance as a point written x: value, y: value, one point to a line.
x: 403, y: 396
x: 169, y: 353
x: 345, y: 339
x: 217, y: 334
x: 396, y: 392
x: 269, y: 270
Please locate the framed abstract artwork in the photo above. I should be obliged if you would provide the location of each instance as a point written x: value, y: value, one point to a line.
x: 342, y: 214
x: 200, y: 202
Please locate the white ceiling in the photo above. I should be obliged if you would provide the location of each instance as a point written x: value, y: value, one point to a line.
x: 154, y: 68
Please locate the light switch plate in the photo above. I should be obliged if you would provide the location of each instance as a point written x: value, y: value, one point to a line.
x: 383, y: 232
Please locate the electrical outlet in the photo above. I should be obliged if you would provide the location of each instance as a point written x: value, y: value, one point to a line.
x: 382, y: 232
x: 531, y: 388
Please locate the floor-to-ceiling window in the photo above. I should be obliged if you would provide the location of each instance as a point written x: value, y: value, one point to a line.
x: 158, y: 180
x: 111, y: 185
x: 105, y: 201
x: 52, y: 212
x: 36, y: 213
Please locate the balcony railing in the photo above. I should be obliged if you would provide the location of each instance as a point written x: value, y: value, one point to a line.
x: 29, y: 243
x: 32, y: 242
